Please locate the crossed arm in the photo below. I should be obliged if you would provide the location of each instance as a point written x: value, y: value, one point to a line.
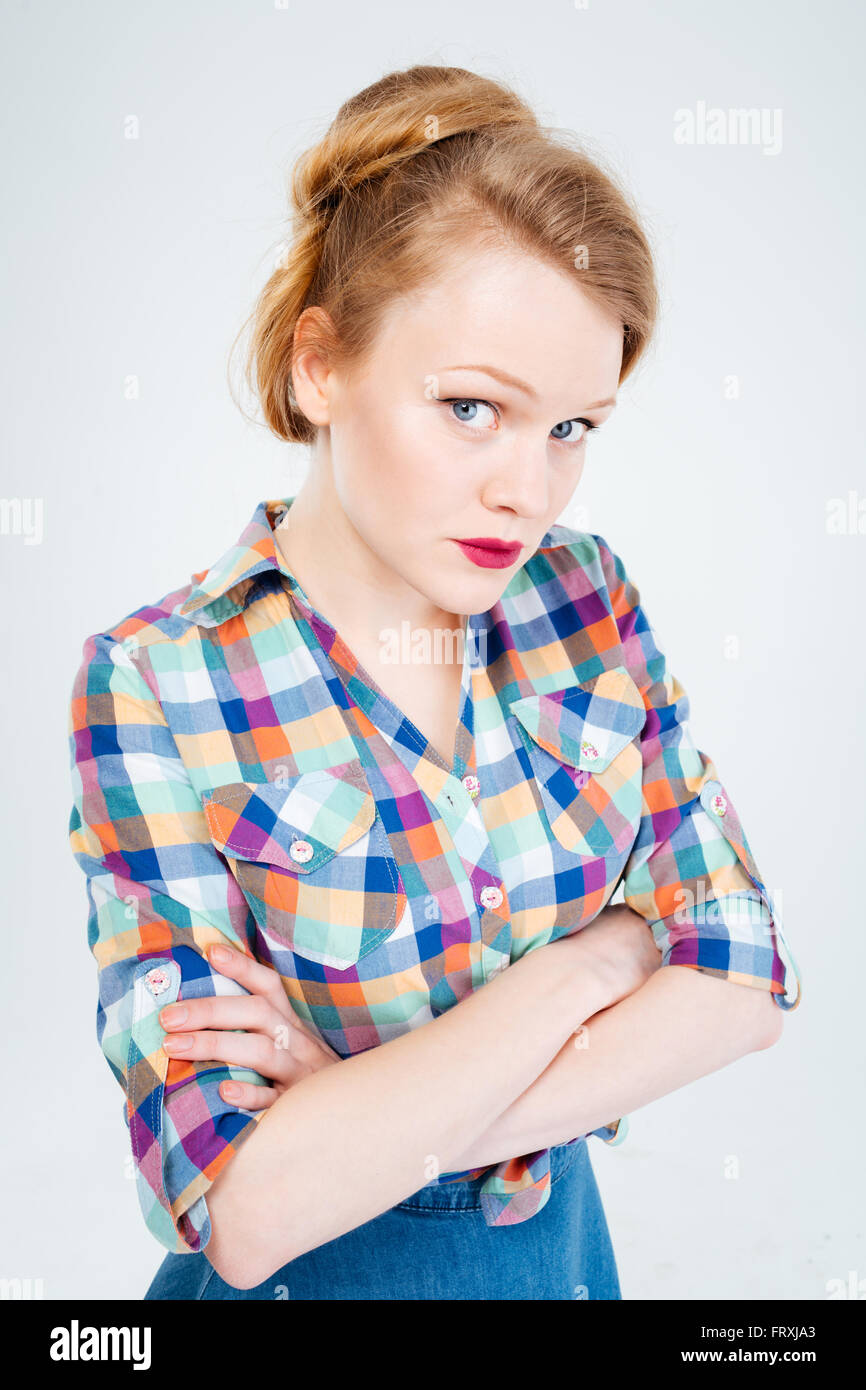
x: 680, y: 1025
x: 497, y: 1076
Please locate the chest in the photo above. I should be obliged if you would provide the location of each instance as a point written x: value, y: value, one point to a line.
x: 427, y: 693
x: 386, y: 870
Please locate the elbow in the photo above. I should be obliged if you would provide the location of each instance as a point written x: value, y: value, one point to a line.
x: 225, y: 1255
x: 236, y: 1263
x: 234, y: 1272
x: 772, y: 1025
x: 757, y: 1019
x: 233, y: 1251
x: 228, y: 1263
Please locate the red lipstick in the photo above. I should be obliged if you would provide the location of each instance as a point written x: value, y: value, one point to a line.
x: 489, y: 552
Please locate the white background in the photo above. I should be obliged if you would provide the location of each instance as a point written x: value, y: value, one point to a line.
x: 142, y: 258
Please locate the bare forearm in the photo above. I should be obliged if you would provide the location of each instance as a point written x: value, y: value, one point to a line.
x: 348, y: 1142
x: 680, y: 1025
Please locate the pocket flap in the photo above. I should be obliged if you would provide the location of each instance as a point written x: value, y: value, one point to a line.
x: 585, y: 725
x: 323, y: 812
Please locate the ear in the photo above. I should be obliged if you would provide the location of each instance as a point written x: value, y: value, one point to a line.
x: 312, y: 344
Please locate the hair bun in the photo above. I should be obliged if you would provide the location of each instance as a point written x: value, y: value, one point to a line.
x: 399, y: 116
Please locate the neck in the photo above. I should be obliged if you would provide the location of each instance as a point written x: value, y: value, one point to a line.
x: 349, y: 584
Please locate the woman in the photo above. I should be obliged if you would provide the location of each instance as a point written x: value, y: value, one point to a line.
x: 361, y: 793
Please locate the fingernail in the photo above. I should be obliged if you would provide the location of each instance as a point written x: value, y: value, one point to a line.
x: 178, y: 1044
x: 231, y: 1088
x: 172, y: 1014
x: 221, y: 955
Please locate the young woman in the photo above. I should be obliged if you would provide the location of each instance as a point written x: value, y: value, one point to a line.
x: 353, y: 803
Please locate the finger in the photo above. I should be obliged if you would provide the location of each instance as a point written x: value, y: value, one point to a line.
x: 247, y: 1096
x: 252, y: 1012
x: 251, y: 1050
x: 255, y: 977
x: 301, y: 1046
x: 263, y: 981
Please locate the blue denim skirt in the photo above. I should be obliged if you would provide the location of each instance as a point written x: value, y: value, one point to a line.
x: 437, y: 1245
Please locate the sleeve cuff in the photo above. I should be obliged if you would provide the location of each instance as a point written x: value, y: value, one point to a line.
x: 615, y: 1132
x: 734, y: 937
x: 181, y: 1135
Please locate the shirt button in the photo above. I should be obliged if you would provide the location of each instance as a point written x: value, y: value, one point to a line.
x: 301, y: 851
x: 490, y: 896
x: 472, y: 785
x: 718, y: 804
x: 157, y: 980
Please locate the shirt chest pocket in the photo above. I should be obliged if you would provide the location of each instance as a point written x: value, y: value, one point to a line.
x: 313, y: 860
x: 584, y: 746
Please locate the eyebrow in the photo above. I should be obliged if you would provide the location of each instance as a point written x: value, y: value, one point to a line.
x: 508, y: 380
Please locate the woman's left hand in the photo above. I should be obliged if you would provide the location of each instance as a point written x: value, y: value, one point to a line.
x: 274, y: 1042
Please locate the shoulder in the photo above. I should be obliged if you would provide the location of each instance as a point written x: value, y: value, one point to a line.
x: 128, y: 643
x: 582, y: 560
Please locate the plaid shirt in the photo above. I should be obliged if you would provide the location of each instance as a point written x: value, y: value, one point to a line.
x: 238, y: 776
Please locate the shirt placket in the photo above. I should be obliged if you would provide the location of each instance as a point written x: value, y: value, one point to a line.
x: 455, y: 792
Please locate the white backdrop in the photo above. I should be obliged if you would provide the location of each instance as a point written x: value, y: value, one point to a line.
x: 138, y: 258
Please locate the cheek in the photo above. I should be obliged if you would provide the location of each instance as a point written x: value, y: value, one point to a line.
x: 396, y: 476
x: 391, y: 501
x: 368, y: 461
x: 420, y: 480
x: 571, y: 474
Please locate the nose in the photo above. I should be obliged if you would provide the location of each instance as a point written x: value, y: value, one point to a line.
x: 519, y: 481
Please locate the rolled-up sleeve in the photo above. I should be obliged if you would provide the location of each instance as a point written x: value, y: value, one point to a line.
x: 158, y: 896
x: 691, y: 872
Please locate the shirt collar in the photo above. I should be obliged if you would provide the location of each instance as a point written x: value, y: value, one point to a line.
x: 219, y: 592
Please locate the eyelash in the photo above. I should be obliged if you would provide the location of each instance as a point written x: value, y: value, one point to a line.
x: 479, y: 400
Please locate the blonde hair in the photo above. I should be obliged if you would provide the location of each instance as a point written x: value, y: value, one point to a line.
x: 411, y: 170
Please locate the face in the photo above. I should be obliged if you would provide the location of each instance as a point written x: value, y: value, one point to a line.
x: 469, y: 420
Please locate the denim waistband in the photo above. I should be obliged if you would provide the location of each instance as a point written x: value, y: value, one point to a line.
x: 466, y: 1195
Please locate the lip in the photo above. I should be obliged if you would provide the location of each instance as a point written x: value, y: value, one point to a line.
x: 489, y: 552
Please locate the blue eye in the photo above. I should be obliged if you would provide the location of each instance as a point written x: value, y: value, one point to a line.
x: 458, y: 403
x: 471, y: 403
x: 567, y: 439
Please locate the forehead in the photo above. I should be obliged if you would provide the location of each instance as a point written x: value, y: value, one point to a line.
x: 511, y: 310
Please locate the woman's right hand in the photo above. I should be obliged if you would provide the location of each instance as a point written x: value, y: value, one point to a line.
x: 619, y: 946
